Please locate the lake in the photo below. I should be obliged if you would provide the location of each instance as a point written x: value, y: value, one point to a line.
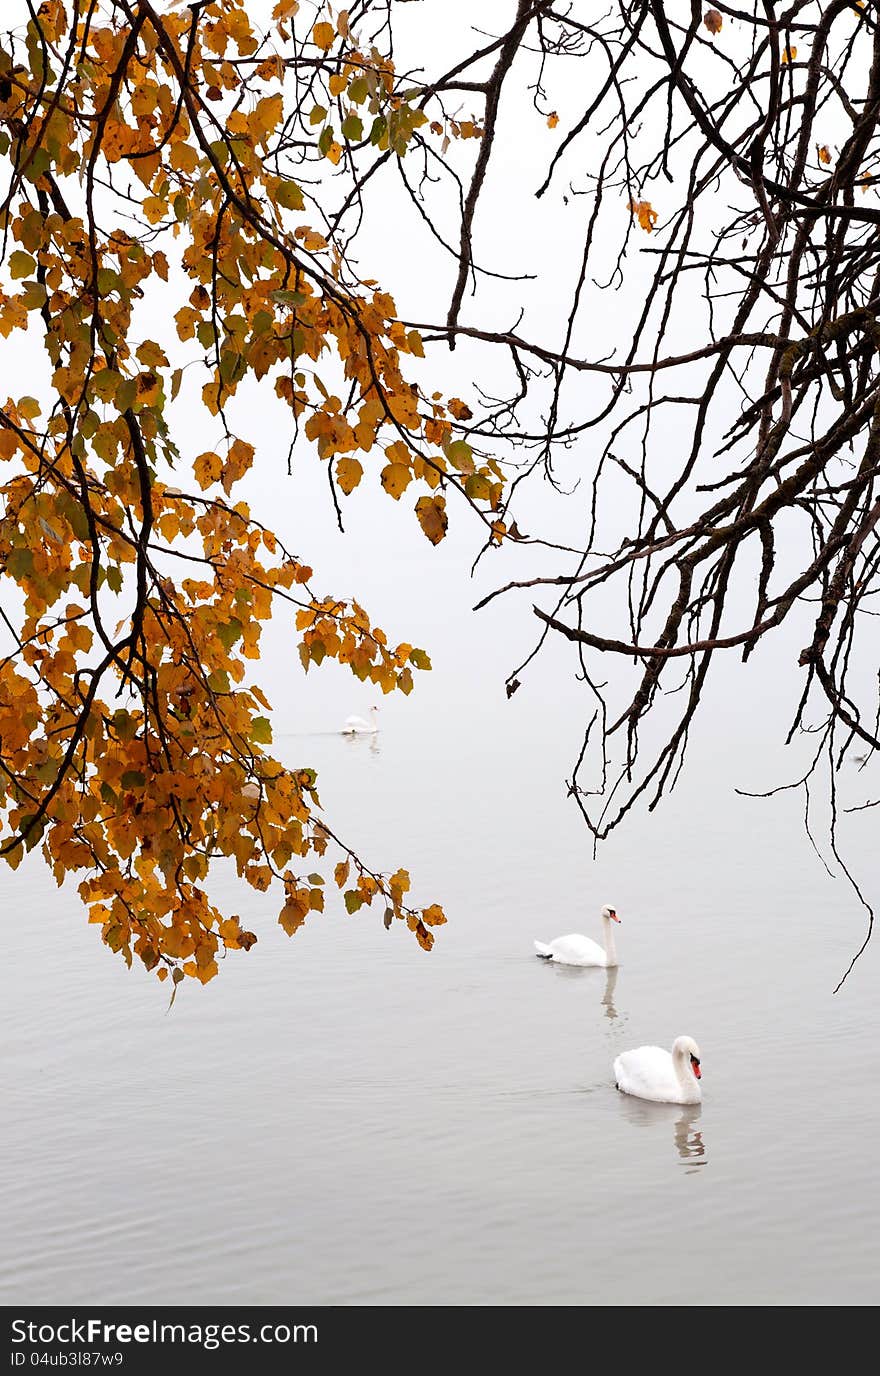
x: 342, y: 1119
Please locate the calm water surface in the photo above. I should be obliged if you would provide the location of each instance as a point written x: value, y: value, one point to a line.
x: 342, y: 1119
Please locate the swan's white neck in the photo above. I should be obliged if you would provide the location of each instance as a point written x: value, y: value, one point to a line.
x: 610, y: 948
x: 690, y: 1085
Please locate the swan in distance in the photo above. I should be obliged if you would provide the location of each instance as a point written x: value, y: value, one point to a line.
x: 673, y: 1077
x: 356, y: 726
x: 581, y: 950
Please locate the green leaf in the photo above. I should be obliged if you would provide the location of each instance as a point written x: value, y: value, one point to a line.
x: 262, y: 322
x: 460, y: 455
x: 316, y: 878
x: 105, y: 384
x: 419, y: 659
x: 126, y: 395
x: 285, y: 297
x: 353, y: 128
x: 229, y: 632
x: 261, y: 731
x: 20, y: 563
x: 32, y: 830
x: 290, y: 196
x: 379, y: 130
x: 34, y: 296
x: 233, y: 366
x: 358, y: 90
x: 38, y: 163
x: 477, y: 487
x: 132, y: 779
x: 318, y: 115
x: 124, y: 724
x: 353, y: 901
x: 21, y: 264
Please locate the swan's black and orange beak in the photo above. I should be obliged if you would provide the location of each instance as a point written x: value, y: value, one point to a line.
x: 614, y: 917
x: 695, y: 1067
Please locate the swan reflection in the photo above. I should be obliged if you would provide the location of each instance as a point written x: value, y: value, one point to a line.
x: 688, y: 1137
x: 611, y: 1012
x: 587, y: 972
x: 687, y: 1134
x: 363, y: 741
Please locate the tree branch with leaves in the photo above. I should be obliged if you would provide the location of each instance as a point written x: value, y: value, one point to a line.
x: 721, y: 164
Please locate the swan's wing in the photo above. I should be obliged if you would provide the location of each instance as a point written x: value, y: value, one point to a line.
x: 577, y: 950
x: 647, y: 1073
x: 355, y: 723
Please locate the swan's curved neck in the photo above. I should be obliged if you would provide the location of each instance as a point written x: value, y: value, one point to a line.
x: 610, y: 948
x: 681, y: 1063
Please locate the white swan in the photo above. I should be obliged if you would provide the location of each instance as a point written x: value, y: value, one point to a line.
x: 649, y: 1072
x: 356, y: 726
x: 580, y: 950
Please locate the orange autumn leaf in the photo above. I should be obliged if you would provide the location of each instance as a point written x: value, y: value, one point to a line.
x: 324, y: 35
x: 348, y: 474
x: 644, y: 213
x: 136, y: 749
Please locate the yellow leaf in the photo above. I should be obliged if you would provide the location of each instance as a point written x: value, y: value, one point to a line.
x: 207, y: 469
x: 117, y: 140
x: 323, y: 35
x: 399, y: 883
x: 431, y: 512
x: 396, y: 479
x: 348, y: 474
x: 148, y: 388
x: 267, y: 114
x: 552, y: 120
x: 238, y: 461
x: 790, y: 55
x: 825, y: 154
